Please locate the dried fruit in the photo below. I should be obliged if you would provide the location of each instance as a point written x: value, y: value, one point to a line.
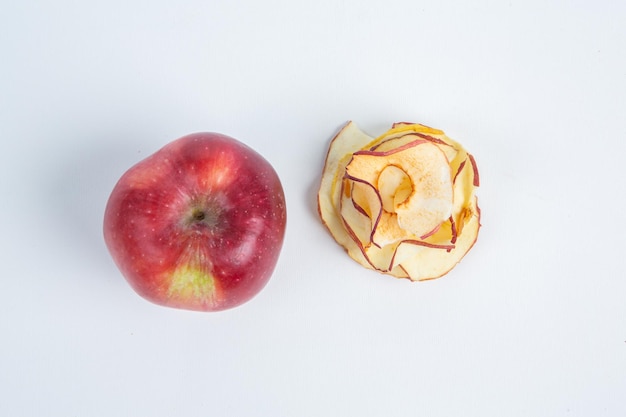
x: 403, y: 203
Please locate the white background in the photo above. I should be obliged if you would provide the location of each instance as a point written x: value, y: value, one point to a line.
x: 531, y: 323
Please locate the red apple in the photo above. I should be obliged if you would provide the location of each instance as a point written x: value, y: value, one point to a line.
x: 198, y: 225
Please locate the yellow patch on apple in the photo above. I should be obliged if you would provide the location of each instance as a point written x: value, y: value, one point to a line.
x: 403, y: 203
x: 192, y: 284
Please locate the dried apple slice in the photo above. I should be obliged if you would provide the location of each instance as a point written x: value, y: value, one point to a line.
x: 402, y: 203
x: 428, y: 172
x: 349, y: 140
x: 433, y: 263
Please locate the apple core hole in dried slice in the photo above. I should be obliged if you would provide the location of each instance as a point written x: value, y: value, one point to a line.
x: 395, y: 187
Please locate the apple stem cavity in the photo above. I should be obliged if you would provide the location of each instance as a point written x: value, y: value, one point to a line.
x: 198, y: 215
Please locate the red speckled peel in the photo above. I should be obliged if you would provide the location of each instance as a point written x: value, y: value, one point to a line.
x: 199, y: 224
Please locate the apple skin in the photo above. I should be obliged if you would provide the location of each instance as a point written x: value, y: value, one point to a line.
x: 198, y: 225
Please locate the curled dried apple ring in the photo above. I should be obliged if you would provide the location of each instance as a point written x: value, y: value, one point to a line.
x: 403, y: 203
